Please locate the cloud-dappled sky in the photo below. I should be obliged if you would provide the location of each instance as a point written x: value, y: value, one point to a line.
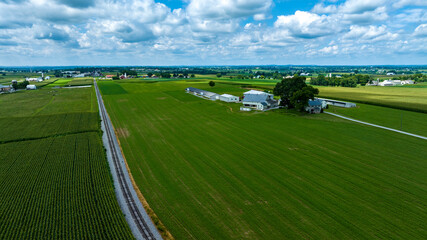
x: 212, y: 32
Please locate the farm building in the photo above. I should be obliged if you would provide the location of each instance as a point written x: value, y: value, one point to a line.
x: 259, y: 100
x: 314, y: 106
x: 337, y: 103
x: 5, y: 88
x: 31, y: 87
x: 32, y: 79
x: 203, y: 93
x: 229, y: 98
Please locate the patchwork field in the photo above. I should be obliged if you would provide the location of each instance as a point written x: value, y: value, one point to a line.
x: 210, y: 171
x: 55, y: 181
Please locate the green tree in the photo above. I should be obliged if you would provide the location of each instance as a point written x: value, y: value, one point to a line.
x: 149, y: 74
x: 192, y: 75
x: 287, y: 87
x: 218, y: 75
x: 166, y: 75
x: 301, y: 97
x: 212, y: 83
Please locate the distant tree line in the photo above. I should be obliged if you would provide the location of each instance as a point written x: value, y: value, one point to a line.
x: 344, y: 81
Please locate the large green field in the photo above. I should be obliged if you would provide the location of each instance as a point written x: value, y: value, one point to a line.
x: 409, y: 98
x: 55, y: 181
x: 210, y: 171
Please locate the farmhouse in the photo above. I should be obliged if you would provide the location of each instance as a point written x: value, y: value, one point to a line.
x: 259, y: 100
x: 203, y: 93
x: 229, y: 98
x: 337, y: 103
x: 31, y: 87
x: 314, y: 106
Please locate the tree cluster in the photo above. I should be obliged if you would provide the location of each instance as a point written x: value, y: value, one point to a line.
x: 295, y: 93
x: 20, y: 85
x: 344, y: 81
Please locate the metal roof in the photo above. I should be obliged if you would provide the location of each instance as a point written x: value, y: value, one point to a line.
x: 312, y: 103
x: 256, y: 92
x: 227, y: 95
x: 255, y: 98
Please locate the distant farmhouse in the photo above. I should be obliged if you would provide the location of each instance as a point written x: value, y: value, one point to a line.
x: 259, y: 100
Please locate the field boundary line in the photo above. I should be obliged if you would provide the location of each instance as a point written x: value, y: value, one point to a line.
x: 377, y: 126
x: 156, y: 220
x: 140, y: 223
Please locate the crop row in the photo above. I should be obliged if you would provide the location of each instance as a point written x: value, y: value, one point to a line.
x: 24, y: 128
x: 58, y: 188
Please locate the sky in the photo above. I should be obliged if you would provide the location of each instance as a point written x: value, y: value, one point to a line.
x: 212, y: 32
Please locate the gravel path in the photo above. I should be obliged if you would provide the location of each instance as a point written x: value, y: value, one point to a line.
x: 140, y: 223
x: 377, y: 126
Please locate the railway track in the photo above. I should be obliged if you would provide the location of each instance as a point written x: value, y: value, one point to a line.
x: 125, y: 186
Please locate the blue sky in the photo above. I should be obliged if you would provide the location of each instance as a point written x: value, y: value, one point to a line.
x: 212, y: 32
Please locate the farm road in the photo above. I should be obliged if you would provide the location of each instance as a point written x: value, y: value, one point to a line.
x: 377, y: 126
x: 140, y: 223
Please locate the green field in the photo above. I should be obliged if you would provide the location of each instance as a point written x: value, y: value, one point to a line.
x: 55, y: 181
x: 408, y: 121
x: 210, y: 171
x: 408, y: 98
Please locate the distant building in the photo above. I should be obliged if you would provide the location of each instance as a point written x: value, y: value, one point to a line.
x: 259, y: 100
x: 314, y: 106
x: 31, y: 87
x: 203, y: 93
x: 110, y: 76
x: 81, y: 75
x: 337, y: 103
x: 391, y: 74
x: 388, y: 83
x: 229, y: 98
x: 6, y: 88
x: 47, y: 78
x: 32, y: 79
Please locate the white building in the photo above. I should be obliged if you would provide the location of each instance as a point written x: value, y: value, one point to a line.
x: 336, y: 103
x: 388, y: 83
x: 203, y: 93
x: 32, y: 79
x: 229, y: 98
x: 259, y: 100
x: 31, y: 87
x: 390, y: 74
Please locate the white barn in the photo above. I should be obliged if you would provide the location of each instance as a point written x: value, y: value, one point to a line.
x: 229, y: 98
x: 31, y: 87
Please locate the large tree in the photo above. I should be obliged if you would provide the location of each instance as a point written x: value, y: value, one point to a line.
x: 301, y: 97
x: 287, y: 87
